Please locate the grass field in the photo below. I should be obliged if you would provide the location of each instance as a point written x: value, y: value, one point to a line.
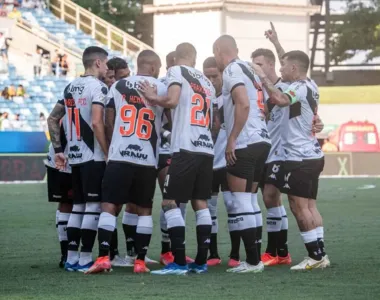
x: 29, y: 255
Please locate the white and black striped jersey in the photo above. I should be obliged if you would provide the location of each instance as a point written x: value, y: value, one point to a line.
x: 50, y: 160
x: 164, y: 144
x: 299, y: 142
x: 240, y: 73
x: 221, y: 138
x: 276, y: 125
x: 79, y: 97
x: 136, y: 135
x: 192, y: 117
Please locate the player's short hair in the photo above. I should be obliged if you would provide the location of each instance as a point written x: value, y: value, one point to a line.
x: 170, y: 58
x: 185, y: 50
x: 226, y: 43
x: 117, y: 63
x: 91, y: 54
x: 300, y: 57
x: 267, y: 53
x: 210, y: 62
x: 147, y: 57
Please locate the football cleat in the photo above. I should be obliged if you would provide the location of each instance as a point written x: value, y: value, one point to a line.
x: 287, y: 260
x: 140, y: 267
x: 172, y: 269
x: 166, y: 258
x: 326, y: 262
x: 102, y: 264
x: 118, y: 261
x: 131, y: 260
x: 199, y: 269
x: 84, y: 268
x: 269, y: 260
x: 71, y: 267
x: 232, y: 263
x: 308, y: 264
x: 211, y: 262
x: 245, y: 267
x: 62, y: 261
x: 150, y: 261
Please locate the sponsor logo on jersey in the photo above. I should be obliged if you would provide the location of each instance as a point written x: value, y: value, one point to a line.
x: 76, y: 89
x: 237, y: 220
x: 264, y: 134
x: 203, y: 141
x: 133, y: 151
x: 75, y: 155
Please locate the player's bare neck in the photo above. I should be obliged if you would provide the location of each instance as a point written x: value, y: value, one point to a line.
x: 184, y: 62
x: 299, y: 77
x: 91, y: 72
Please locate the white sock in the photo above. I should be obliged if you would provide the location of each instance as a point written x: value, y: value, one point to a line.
x: 62, y: 226
x: 164, y: 228
x: 274, y: 219
x: 182, y: 207
x: 284, y: 217
x: 74, y: 223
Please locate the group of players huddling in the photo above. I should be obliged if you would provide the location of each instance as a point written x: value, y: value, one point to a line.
x: 235, y: 127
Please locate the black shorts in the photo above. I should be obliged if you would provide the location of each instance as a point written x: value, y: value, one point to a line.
x: 219, y: 181
x: 260, y: 163
x: 189, y: 177
x: 163, y: 161
x: 129, y: 183
x: 249, y: 161
x: 301, y: 177
x: 87, y: 181
x: 59, y: 186
x: 273, y: 174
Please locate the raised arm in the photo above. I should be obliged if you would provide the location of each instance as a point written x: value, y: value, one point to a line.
x: 271, y: 34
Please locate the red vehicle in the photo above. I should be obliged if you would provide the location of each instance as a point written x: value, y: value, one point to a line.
x: 356, y: 137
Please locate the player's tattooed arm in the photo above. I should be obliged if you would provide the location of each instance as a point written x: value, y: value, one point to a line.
x: 171, y: 100
x: 216, y: 123
x: 275, y: 95
x: 271, y: 34
x: 54, y: 126
x: 110, y: 114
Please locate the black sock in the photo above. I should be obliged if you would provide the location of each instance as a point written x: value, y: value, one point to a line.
x: 259, y: 236
x: 235, y: 244
x: 321, y: 244
x: 282, y: 243
x: 203, y: 241
x: 88, y: 239
x: 272, y: 243
x: 249, y: 239
x: 165, y: 242
x: 64, y: 246
x: 142, y: 245
x: 104, y: 238
x: 130, y: 235
x: 214, y: 246
x: 114, y: 245
x: 177, y: 238
x: 73, y: 238
x: 314, y: 250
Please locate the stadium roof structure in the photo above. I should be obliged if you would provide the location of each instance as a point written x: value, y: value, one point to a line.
x: 232, y: 6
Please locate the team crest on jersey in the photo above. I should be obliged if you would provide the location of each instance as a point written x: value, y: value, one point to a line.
x: 133, y: 151
x: 75, y: 152
x: 203, y: 141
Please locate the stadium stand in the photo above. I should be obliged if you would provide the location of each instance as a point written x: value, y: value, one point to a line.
x: 43, y: 92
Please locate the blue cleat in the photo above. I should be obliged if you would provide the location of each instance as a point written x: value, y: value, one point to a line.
x: 84, y: 268
x: 199, y: 269
x: 71, y: 267
x: 172, y: 269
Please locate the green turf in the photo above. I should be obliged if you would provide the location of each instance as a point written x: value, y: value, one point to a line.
x: 29, y: 255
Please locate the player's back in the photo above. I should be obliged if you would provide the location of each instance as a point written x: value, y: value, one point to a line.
x: 136, y: 134
x: 79, y: 96
x: 299, y: 142
x: 239, y: 73
x: 192, y: 117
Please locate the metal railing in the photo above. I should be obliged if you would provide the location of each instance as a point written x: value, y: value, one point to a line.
x: 115, y: 38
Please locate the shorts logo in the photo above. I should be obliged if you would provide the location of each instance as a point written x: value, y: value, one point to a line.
x: 286, y: 185
x: 275, y: 168
x: 203, y: 141
x: 133, y: 151
x: 75, y: 155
